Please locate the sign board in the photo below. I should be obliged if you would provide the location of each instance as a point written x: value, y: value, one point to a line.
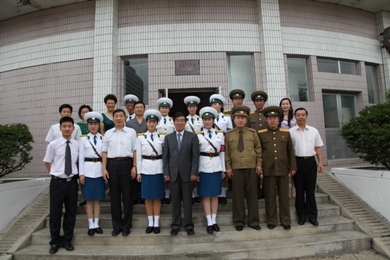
x: 187, y: 67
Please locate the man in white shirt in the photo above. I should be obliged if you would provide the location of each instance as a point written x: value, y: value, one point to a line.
x: 55, y: 132
x: 60, y: 160
x: 307, y: 145
x: 130, y: 101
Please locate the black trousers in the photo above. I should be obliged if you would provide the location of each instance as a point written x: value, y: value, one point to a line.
x: 62, y: 193
x: 305, y: 183
x: 119, y: 183
x: 181, y: 190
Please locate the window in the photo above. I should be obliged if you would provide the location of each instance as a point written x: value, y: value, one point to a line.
x: 297, y: 79
x: 372, y: 84
x: 241, y: 74
x: 336, y: 66
x: 137, y: 78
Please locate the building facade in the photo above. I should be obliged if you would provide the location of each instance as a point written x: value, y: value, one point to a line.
x: 324, y: 57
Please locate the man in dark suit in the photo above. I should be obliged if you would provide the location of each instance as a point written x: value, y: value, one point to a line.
x: 181, y: 160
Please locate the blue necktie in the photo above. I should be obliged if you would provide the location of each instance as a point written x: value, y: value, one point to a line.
x: 151, y: 137
x: 165, y: 120
x: 178, y: 140
x: 192, y: 120
x: 218, y: 118
x: 210, y: 134
x: 94, y: 140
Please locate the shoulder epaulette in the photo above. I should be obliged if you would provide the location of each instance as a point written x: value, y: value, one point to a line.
x: 252, y: 113
x: 284, y: 130
x: 141, y: 134
x: 262, y: 131
x: 251, y: 129
x: 83, y: 135
x: 162, y: 133
x: 219, y: 131
x: 198, y: 133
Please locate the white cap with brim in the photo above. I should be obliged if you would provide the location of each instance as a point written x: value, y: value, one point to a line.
x: 164, y: 102
x: 217, y: 98
x: 130, y: 98
x: 152, y: 114
x: 191, y: 100
x: 93, y: 117
x: 208, y: 112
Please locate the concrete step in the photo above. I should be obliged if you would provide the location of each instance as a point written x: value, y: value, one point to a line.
x: 227, y: 234
x: 321, y: 198
x: 262, y: 247
x: 199, y: 219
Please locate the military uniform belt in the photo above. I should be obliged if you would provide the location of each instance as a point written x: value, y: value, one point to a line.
x: 305, y: 157
x: 209, y: 154
x: 152, y: 157
x: 120, y: 159
x: 64, y: 179
x: 92, y: 159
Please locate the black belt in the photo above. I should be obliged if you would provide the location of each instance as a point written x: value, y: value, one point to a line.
x: 209, y: 154
x: 65, y: 179
x: 120, y: 159
x: 304, y: 157
x: 152, y: 157
x: 92, y: 159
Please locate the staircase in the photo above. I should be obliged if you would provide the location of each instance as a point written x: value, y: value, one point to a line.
x: 335, y: 235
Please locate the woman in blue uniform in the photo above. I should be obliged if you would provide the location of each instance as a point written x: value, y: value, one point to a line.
x: 149, y: 147
x: 90, y: 170
x: 211, y: 166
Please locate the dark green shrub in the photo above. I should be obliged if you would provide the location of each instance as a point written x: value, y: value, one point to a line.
x: 15, y: 148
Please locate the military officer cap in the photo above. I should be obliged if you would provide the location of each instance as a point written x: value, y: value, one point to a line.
x: 93, y: 117
x: 191, y: 100
x: 208, y: 112
x: 164, y: 102
x: 237, y: 93
x: 217, y: 98
x: 259, y: 95
x: 130, y: 98
x: 272, y: 111
x: 240, y: 111
x: 152, y: 114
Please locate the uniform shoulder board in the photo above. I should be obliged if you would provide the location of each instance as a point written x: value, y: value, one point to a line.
x: 252, y: 113
x: 162, y: 133
x: 284, y: 130
x: 262, y: 131
x: 141, y: 134
x: 227, y: 112
x: 219, y: 131
x: 198, y: 133
x: 83, y: 135
x: 251, y: 129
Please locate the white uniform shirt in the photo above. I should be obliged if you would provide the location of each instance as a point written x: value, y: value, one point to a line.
x: 55, y: 154
x: 305, y: 141
x: 224, y: 122
x: 119, y: 143
x: 129, y: 117
x: 55, y: 133
x: 166, y: 127
x: 212, y: 164
x: 90, y: 169
x: 146, y: 166
x: 196, y: 126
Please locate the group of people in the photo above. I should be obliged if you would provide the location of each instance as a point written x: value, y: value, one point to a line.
x: 147, y: 156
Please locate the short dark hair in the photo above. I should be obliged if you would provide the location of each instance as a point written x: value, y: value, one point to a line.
x: 118, y: 110
x: 65, y: 106
x: 300, y: 108
x: 66, y: 119
x: 139, y: 102
x: 110, y: 97
x: 82, y: 107
x: 178, y: 114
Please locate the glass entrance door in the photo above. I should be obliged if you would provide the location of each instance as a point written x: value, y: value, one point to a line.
x: 338, y: 110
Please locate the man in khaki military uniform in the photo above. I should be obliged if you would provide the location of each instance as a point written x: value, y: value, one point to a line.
x: 237, y: 97
x: 278, y: 162
x: 257, y: 121
x: 243, y: 161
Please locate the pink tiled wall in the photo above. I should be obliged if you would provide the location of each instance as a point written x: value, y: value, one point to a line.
x: 32, y: 96
x: 147, y: 12
x: 329, y: 17
x: 64, y: 19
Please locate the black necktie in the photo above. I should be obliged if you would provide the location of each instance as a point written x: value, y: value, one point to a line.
x: 94, y: 140
x: 68, y: 160
x: 240, y: 146
x: 210, y: 134
x: 192, y: 120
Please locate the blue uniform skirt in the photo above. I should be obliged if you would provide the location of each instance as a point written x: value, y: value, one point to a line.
x: 93, y: 189
x: 152, y: 186
x: 210, y: 184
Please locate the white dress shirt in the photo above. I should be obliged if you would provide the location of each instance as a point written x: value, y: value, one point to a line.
x: 212, y: 164
x: 305, y: 141
x: 147, y: 166
x: 119, y: 143
x: 55, y: 154
x: 224, y: 122
x: 197, y: 125
x: 129, y: 117
x: 168, y: 127
x: 55, y: 133
x: 90, y: 169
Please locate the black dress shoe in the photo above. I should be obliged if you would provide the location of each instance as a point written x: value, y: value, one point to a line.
x: 167, y: 201
x: 142, y: 201
x: 69, y: 247
x: 210, y: 229
x: 314, y: 222
x: 216, y: 227
x: 193, y: 201
x: 223, y: 200
x: 270, y: 226
x: 239, y: 228
x: 286, y: 227
x: 198, y: 199
x: 135, y: 202
x: 156, y: 230
x: 255, y: 227
x: 99, y: 230
x: 174, y: 231
x: 91, y: 232
x: 301, y: 222
x: 149, y: 230
x: 82, y: 203
x: 219, y: 200
x: 115, y: 232
x: 53, y: 249
x: 125, y: 233
x: 190, y: 232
